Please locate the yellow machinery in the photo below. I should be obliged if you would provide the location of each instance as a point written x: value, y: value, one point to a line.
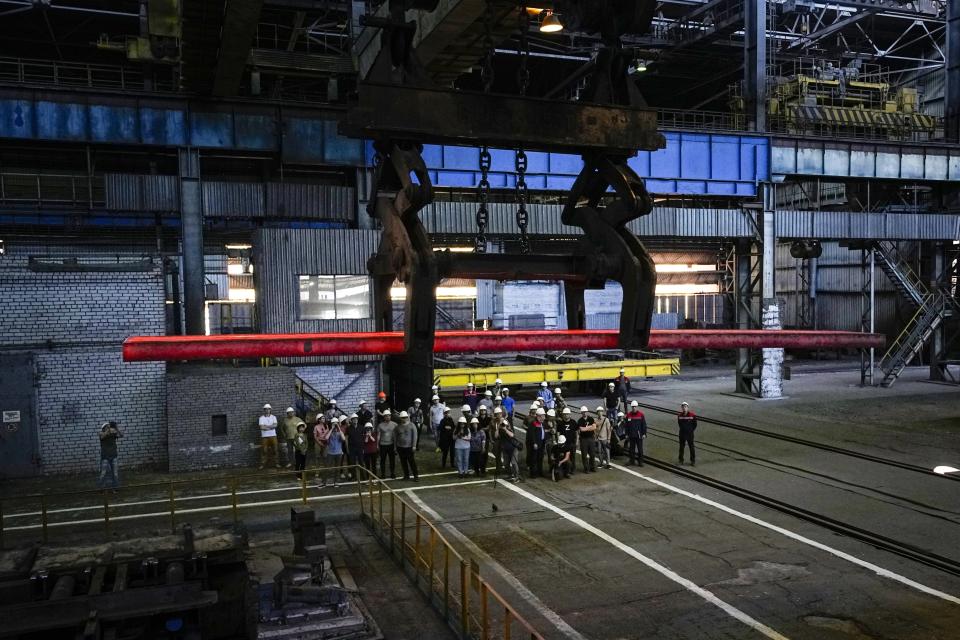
x: 819, y: 96
x: 554, y: 373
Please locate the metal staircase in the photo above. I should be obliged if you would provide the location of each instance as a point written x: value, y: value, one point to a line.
x: 933, y: 307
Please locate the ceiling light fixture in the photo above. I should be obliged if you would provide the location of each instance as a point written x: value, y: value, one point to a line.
x: 551, y: 23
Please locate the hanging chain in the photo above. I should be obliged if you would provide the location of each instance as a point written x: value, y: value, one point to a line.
x: 521, y: 194
x: 483, y: 195
x: 523, y: 50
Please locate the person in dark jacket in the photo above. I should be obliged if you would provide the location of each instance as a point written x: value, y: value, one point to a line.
x: 418, y: 418
x: 588, y: 441
x: 569, y: 429
x: 445, y: 440
x: 636, y: 432
x: 382, y: 406
x: 611, y: 399
x: 536, y: 443
x: 364, y: 415
x: 471, y: 399
x: 622, y: 383
x: 353, y: 433
x: 687, y: 421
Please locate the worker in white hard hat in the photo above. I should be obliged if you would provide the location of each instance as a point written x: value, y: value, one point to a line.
x: 546, y: 395
x: 436, y: 415
x: 636, y: 432
x: 445, y: 438
x: 611, y: 398
x: 561, y: 461
x: 687, y: 423
x: 418, y: 419
x: 559, y: 402
x: 587, y: 428
x: 471, y: 398
x: 493, y: 441
x: 289, y: 430
x: 568, y: 428
x: 604, y: 431
x: 387, y: 440
x: 486, y: 401
x: 622, y: 383
x: 407, y: 440
x: 536, y: 443
x: 508, y: 403
x: 268, y: 437
x: 497, y: 387
x: 461, y: 446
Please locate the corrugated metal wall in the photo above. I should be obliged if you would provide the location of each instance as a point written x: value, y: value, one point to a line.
x: 129, y: 192
x: 280, y: 255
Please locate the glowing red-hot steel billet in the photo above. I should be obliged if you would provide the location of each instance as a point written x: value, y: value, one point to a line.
x: 173, y: 348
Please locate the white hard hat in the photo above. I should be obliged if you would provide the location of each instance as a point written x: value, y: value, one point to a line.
x: 446, y: 409
x: 267, y: 406
x: 482, y: 407
x: 557, y: 390
x: 386, y: 412
x: 500, y: 398
x: 344, y: 419
x: 583, y: 409
x: 363, y: 402
x: 622, y: 371
x: 416, y: 400
x: 543, y: 384
x: 488, y: 393
x: 684, y: 404
x: 551, y: 413
x: 465, y: 407
x: 566, y: 411
x: 634, y: 404
x: 498, y: 410
x: 369, y: 425
x: 403, y: 414
x: 290, y: 410
x: 498, y: 381
x: 600, y: 409
x: 435, y: 397
x: 505, y: 390
x: 353, y: 415
x: 534, y: 406
x: 333, y: 401
x: 610, y: 385
x: 469, y: 384
x: 462, y: 420
x: 435, y: 387
x: 541, y: 412
x: 562, y: 439
x: 474, y: 421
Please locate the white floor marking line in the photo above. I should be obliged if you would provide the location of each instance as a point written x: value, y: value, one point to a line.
x: 880, y: 571
x: 249, y: 505
x: 518, y: 586
x: 140, y: 503
x: 653, y: 564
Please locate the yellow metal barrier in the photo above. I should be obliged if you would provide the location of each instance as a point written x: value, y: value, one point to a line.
x: 511, y: 375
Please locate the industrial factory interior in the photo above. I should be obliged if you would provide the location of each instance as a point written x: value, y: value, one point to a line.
x: 479, y: 319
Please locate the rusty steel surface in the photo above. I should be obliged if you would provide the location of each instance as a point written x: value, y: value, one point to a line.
x: 173, y: 348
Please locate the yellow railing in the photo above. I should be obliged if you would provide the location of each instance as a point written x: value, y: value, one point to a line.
x: 470, y: 605
x: 467, y: 602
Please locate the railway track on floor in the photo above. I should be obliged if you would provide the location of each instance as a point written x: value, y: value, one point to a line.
x: 876, y: 540
x: 809, y: 443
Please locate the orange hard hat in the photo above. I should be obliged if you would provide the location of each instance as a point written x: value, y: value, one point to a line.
x: 381, y: 395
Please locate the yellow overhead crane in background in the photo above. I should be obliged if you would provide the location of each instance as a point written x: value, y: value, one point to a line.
x: 514, y: 374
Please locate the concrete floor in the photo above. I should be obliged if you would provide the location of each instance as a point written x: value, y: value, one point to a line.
x: 644, y: 553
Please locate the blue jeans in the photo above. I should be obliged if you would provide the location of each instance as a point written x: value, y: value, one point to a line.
x: 109, y: 473
x: 462, y: 458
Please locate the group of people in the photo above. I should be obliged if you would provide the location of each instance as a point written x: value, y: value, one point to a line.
x: 549, y: 440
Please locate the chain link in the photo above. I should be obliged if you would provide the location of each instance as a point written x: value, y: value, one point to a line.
x: 483, y: 195
x: 521, y: 195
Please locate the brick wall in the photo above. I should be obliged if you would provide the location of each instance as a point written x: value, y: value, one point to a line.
x: 348, y: 384
x: 195, y: 393
x: 74, y: 323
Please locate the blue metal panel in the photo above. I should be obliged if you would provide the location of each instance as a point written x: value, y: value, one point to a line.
x: 338, y: 149
x: 16, y: 119
x: 167, y: 127
x: 255, y: 131
x: 208, y: 129
x: 303, y: 140
x: 114, y: 124
x: 61, y: 121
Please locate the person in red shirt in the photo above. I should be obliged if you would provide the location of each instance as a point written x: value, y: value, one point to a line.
x: 636, y: 432
x: 687, y: 421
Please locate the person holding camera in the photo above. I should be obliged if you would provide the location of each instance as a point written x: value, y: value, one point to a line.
x: 509, y: 447
x: 109, y: 470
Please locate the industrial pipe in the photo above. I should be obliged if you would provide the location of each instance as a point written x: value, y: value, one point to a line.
x: 174, y: 348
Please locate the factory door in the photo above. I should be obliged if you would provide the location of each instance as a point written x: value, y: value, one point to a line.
x: 18, y: 437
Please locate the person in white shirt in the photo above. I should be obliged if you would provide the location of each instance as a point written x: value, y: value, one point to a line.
x: 268, y: 437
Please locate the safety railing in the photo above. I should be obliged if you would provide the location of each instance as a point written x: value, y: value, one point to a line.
x: 80, y: 74
x: 50, y: 189
x: 451, y: 582
x: 64, y: 515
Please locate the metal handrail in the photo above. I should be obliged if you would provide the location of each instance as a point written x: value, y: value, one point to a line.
x: 909, y: 328
x: 392, y: 533
x: 466, y: 616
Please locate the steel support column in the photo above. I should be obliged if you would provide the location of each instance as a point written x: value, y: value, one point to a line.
x: 952, y: 89
x: 191, y: 229
x: 747, y: 313
x: 937, y: 343
x: 755, y: 63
